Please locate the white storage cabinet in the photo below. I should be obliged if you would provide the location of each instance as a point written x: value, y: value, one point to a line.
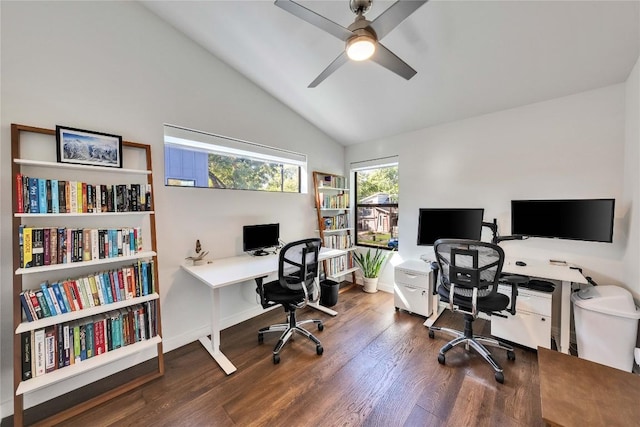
x: 531, y: 325
x: 411, y: 290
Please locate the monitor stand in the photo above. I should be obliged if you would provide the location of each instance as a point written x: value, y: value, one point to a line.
x: 260, y: 252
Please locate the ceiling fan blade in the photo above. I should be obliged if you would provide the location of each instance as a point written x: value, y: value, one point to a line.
x: 394, y: 15
x: 337, y: 63
x: 314, y: 19
x: 390, y: 61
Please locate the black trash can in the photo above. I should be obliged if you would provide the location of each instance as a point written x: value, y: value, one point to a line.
x: 329, y: 293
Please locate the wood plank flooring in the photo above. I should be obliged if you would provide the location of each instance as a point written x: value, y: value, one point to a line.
x: 379, y: 368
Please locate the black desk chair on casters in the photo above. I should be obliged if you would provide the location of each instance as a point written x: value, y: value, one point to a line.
x: 469, y: 275
x: 297, y: 274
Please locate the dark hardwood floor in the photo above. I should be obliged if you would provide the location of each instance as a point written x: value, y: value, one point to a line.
x: 379, y: 368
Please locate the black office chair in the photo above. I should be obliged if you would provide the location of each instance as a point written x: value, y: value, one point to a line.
x: 296, y: 284
x: 469, y: 275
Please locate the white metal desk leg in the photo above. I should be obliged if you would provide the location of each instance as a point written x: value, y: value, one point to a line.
x: 213, y: 345
x: 565, y: 318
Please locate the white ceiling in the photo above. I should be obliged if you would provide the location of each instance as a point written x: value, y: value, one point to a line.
x: 472, y: 57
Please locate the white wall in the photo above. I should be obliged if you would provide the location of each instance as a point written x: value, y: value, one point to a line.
x: 115, y: 67
x: 571, y: 147
x: 632, y: 180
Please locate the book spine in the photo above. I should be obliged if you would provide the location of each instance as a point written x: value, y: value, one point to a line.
x: 42, y: 195
x: 73, y: 196
x: 47, y: 246
x: 50, y: 360
x: 86, y: 244
x: 35, y: 304
x: 27, y: 248
x: 25, y: 355
x: 34, y: 198
x: 40, y: 350
x: 85, y: 205
x: 51, y: 297
x: 19, y: 195
x: 77, y: 353
x: 62, y: 196
x: 66, y: 345
x: 55, y: 197
x: 49, y: 196
x: 90, y: 198
x: 58, y: 295
x: 53, y: 242
x: 59, y: 346
x: 37, y: 246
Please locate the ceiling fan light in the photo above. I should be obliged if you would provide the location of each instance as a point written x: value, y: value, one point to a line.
x: 360, y: 48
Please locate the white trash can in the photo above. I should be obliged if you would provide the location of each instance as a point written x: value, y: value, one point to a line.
x: 606, y: 321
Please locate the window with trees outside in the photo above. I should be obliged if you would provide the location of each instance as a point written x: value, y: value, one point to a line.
x: 376, y: 191
x: 199, y: 159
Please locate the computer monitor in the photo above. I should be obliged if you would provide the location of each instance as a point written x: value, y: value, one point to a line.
x: 461, y: 223
x: 257, y: 238
x: 577, y: 219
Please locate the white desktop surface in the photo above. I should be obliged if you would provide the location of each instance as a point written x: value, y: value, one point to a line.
x: 229, y: 271
x: 543, y: 269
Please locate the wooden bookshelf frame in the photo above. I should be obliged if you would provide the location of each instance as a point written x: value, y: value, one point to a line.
x: 321, y: 226
x: 16, y: 163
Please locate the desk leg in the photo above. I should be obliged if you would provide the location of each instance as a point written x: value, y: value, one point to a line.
x: 213, y: 345
x: 565, y: 318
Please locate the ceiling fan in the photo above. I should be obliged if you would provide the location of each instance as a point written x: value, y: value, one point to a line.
x: 362, y: 38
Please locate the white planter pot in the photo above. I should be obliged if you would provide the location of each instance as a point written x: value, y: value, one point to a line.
x: 370, y: 284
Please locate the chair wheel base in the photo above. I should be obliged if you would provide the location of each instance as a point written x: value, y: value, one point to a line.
x: 511, y: 355
x: 441, y: 359
x: 500, y: 377
x: 260, y: 338
x: 431, y: 334
x: 276, y: 359
x: 320, y: 326
x: 319, y: 350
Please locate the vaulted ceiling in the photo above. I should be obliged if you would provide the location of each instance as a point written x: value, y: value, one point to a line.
x: 471, y: 57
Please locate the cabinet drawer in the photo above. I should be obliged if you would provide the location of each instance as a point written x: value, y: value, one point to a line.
x: 528, y: 329
x: 530, y: 301
x: 412, y: 298
x: 411, y: 278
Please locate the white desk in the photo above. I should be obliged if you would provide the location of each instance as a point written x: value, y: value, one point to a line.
x: 562, y: 273
x: 230, y: 271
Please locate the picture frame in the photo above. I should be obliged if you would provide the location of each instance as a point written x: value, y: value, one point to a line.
x: 85, y: 147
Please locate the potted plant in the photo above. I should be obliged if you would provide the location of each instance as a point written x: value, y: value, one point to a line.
x: 370, y: 265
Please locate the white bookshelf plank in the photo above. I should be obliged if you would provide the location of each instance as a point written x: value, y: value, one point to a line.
x: 337, y: 230
x: 80, y: 314
x: 95, y: 214
x: 321, y: 188
x: 343, y: 272
x: 81, y: 367
x: 69, y: 265
x: 39, y: 163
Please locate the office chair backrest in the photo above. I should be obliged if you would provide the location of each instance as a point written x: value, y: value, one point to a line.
x: 469, y: 264
x: 299, y: 264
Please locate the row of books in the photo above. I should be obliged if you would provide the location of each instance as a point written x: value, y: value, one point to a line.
x: 57, y: 346
x: 338, y: 241
x: 40, y: 195
x: 334, y: 201
x: 336, y: 222
x: 338, y: 264
x: 40, y: 246
x: 107, y: 287
x: 333, y: 181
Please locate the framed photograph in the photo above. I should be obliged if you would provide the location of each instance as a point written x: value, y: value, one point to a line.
x: 83, y: 147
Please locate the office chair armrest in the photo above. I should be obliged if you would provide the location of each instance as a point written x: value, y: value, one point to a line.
x: 514, y: 281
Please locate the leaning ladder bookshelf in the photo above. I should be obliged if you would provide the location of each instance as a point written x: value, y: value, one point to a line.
x: 137, y: 312
x: 334, y: 222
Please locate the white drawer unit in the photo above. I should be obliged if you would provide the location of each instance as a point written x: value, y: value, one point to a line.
x: 411, y: 290
x: 531, y: 325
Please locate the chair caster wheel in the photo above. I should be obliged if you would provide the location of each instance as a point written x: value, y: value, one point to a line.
x: 441, y: 359
x: 319, y: 350
x: 500, y: 377
x: 511, y: 355
x: 260, y: 338
x: 276, y: 359
x: 431, y: 334
x: 320, y: 327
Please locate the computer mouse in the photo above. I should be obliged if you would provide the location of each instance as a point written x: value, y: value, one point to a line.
x: 521, y: 263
